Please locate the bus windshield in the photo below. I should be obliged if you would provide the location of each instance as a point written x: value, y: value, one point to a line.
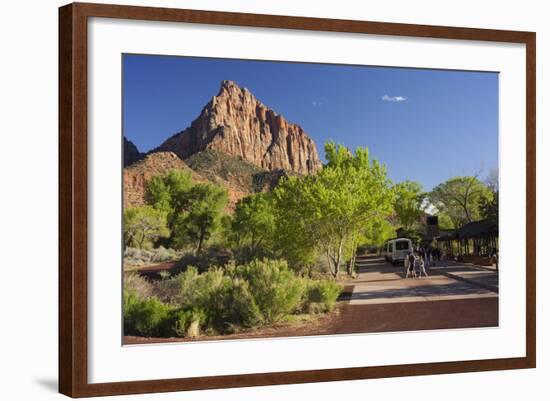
x: 402, y: 245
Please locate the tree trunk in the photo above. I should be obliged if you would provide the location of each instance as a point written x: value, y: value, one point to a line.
x: 351, y: 266
x: 201, y: 240
x: 338, y: 258
x: 329, y: 260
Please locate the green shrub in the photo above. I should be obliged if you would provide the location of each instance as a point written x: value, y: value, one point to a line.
x: 226, y: 300
x: 147, y: 317
x: 235, y: 307
x: 140, y: 286
x: 276, y: 290
x: 222, y: 300
x: 321, y: 295
x: 188, y: 323
x: 212, y: 256
x: 140, y: 257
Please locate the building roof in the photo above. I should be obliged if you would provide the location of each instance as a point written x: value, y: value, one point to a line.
x: 475, y: 229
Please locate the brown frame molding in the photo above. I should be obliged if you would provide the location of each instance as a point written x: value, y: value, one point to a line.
x: 73, y: 198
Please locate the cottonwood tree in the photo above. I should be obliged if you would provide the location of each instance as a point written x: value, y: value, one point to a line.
x: 459, y: 199
x: 201, y: 216
x: 170, y: 193
x: 489, y: 206
x: 144, y: 225
x: 408, y: 203
x: 330, y: 211
x: 295, y: 237
x: 253, y: 224
x: 194, y: 211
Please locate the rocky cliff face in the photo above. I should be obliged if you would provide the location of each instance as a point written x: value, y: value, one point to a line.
x: 236, y: 176
x: 236, y: 123
x: 136, y: 176
x: 131, y: 153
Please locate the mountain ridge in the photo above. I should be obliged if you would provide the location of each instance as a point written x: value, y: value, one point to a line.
x: 237, y: 123
x: 236, y: 142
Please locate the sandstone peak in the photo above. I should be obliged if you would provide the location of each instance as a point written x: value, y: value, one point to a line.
x: 236, y: 123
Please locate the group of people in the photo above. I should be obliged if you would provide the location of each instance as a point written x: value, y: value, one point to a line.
x: 419, y: 260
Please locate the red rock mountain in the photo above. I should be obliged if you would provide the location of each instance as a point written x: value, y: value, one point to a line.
x: 234, y: 122
x: 237, y: 177
x: 136, y: 176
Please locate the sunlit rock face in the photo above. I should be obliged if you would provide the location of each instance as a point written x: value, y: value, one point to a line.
x: 236, y: 123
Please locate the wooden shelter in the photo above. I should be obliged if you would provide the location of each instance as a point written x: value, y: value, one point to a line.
x: 477, y: 238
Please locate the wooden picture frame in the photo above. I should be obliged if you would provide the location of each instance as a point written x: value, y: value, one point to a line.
x: 73, y: 192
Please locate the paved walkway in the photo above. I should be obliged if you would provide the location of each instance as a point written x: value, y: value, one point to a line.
x: 379, y: 282
x: 414, y: 316
x: 483, y: 276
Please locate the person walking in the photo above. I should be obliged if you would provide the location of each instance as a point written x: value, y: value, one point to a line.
x: 427, y: 256
x: 406, y: 263
x: 422, y: 268
x: 411, y: 270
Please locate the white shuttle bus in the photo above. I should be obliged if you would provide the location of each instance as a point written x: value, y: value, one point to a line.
x: 395, y: 250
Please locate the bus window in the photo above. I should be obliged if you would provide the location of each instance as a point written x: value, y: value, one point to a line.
x: 402, y: 245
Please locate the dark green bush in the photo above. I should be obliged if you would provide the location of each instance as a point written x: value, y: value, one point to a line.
x: 276, y: 290
x: 322, y: 295
x: 147, y: 317
x: 226, y: 300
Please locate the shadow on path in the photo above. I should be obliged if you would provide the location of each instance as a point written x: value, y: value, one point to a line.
x: 428, y: 290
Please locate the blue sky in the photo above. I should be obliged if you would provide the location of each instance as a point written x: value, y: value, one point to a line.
x: 425, y: 125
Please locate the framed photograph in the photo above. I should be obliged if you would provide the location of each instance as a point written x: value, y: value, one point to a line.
x: 251, y: 200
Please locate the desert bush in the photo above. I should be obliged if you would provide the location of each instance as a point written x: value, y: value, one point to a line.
x: 321, y: 295
x: 276, y: 290
x: 138, y: 257
x: 189, y: 322
x: 226, y: 300
x: 166, y: 289
x: 222, y: 300
x: 134, y: 283
x: 212, y: 256
x: 147, y: 317
x: 162, y: 254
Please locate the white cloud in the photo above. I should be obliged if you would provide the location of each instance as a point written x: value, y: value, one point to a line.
x: 316, y: 103
x: 387, y: 98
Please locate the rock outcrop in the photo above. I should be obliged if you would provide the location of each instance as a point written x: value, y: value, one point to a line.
x: 234, y: 122
x: 236, y: 176
x: 136, y: 176
x: 131, y: 153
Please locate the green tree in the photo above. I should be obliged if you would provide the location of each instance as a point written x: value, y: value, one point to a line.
x: 330, y: 211
x: 295, y: 238
x: 363, y: 198
x: 170, y: 193
x: 459, y: 199
x: 144, y: 225
x: 379, y: 232
x: 201, y: 217
x: 408, y: 203
x: 488, y: 206
x: 253, y: 224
